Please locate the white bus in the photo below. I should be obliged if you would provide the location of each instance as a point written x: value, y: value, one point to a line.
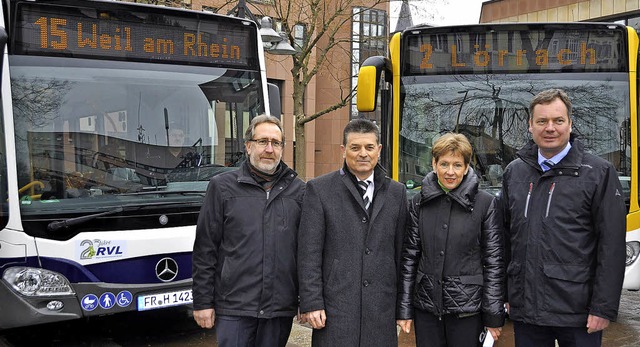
x: 114, y: 118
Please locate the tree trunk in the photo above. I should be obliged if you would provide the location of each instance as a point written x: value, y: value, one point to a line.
x: 300, y: 154
x: 300, y: 149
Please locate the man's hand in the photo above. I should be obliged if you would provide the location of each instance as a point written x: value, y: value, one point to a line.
x: 317, y: 319
x: 595, y: 323
x: 495, y: 332
x: 302, y: 317
x: 404, y: 324
x: 205, y: 318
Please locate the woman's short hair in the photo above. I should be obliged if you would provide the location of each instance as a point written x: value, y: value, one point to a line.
x: 452, y: 143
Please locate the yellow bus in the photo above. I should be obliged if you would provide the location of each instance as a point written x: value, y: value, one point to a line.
x: 478, y: 80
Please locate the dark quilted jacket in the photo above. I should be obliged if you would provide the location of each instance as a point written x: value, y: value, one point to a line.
x: 452, y: 260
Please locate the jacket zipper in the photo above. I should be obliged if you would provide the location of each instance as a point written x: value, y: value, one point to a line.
x: 526, y: 206
x: 553, y: 186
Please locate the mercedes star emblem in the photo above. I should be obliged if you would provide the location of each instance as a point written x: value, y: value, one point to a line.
x: 166, y: 269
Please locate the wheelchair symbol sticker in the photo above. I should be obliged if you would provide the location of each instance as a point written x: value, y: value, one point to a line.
x: 124, y: 298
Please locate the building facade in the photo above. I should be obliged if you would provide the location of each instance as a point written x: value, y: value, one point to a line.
x: 621, y: 11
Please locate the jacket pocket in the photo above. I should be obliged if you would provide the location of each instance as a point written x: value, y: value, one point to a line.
x: 423, y: 292
x: 331, y: 275
x: 567, y: 288
x: 515, y: 283
x: 463, y: 294
x: 225, y: 277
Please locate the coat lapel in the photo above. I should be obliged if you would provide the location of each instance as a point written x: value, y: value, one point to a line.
x: 379, y: 198
x: 352, y: 188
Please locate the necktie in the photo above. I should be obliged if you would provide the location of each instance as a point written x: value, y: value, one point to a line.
x: 549, y: 164
x: 363, y: 186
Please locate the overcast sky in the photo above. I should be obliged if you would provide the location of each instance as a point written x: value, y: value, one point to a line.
x: 444, y: 12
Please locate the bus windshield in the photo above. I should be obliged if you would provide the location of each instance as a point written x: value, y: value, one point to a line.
x: 478, y: 80
x: 89, y: 129
x: 492, y: 111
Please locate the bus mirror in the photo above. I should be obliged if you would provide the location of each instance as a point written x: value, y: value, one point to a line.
x: 367, y: 89
x: 369, y: 80
x: 275, y: 107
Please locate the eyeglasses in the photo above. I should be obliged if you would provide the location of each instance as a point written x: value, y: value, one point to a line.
x: 265, y: 142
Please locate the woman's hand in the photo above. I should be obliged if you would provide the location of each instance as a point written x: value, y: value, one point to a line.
x: 495, y: 333
x: 404, y: 324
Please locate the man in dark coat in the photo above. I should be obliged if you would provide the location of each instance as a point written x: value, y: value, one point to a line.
x: 244, y: 255
x: 349, y: 246
x: 565, y: 223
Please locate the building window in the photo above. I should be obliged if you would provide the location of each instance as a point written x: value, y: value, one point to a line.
x: 299, y: 36
x: 186, y: 4
x: 298, y: 32
x: 369, y: 38
x: 209, y: 9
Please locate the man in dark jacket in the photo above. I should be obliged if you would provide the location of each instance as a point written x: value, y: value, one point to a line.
x: 349, y: 247
x: 244, y: 255
x: 565, y: 223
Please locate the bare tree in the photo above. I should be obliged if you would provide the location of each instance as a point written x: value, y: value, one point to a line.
x: 328, y: 40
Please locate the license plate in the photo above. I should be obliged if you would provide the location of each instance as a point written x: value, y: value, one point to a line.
x: 160, y: 300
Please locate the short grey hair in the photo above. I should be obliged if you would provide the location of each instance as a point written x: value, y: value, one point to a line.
x: 263, y: 118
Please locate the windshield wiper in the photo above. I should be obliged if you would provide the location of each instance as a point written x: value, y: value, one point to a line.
x: 167, y: 192
x: 57, y: 225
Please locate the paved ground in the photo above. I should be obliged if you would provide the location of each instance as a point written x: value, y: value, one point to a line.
x: 623, y: 333
x: 175, y: 327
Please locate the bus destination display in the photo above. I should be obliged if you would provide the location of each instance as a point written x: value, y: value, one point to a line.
x: 146, y: 37
x: 515, y: 51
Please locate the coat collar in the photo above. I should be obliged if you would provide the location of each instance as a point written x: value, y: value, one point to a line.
x: 244, y: 174
x: 380, y: 184
x: 573, y: 159
x: 464, y: 194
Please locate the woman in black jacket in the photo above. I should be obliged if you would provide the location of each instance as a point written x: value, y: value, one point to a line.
x: 452, y: 276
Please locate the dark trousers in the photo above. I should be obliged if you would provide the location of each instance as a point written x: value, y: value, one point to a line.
x: 529, y: 335
x: 235, y: 331
x: 448, y: 330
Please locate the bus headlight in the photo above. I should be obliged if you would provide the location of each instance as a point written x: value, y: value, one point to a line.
x: 31, y: 281
x: 633, y: 250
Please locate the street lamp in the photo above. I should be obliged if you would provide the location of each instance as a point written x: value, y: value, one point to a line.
x: 273, y: 41
x: 282, y: 47
x: 266, y: 31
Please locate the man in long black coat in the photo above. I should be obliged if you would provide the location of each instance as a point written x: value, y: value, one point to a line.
x: 349, y: 245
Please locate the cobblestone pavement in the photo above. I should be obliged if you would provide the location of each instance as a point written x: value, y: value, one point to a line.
x: 623, y: 333
x: 176, y: 328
